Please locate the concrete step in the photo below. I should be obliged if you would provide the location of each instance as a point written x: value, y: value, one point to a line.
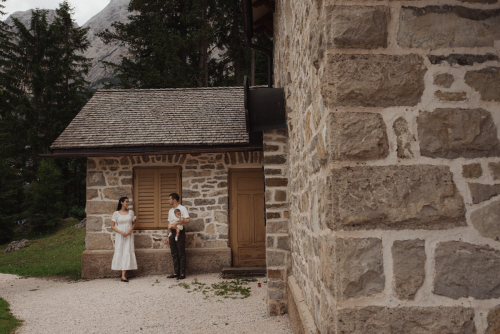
x: 244, y: 272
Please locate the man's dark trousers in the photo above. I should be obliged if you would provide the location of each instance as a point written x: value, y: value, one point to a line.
x: 178, y: 250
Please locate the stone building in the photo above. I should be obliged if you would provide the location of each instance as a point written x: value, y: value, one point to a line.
x: 382, y: 197
x: 146, y: 144
x: 393, y: 111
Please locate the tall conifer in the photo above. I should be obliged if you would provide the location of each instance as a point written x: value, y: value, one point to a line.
x: 44, y: 92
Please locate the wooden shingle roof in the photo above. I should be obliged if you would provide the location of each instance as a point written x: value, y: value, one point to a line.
x: 158, y: 117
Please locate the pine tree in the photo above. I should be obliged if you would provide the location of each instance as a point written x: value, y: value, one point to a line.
x: 168, y: 43
x: 45, y: 200
x: 44, y: 92
x: 11, y: 197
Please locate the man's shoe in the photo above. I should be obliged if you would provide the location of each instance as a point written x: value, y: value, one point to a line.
x: 181, y: 277
x: 173, y: 276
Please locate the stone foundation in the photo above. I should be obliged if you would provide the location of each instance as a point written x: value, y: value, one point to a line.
x: 97, y: 263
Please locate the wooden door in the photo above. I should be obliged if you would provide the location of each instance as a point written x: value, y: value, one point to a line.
x: 247, y: 221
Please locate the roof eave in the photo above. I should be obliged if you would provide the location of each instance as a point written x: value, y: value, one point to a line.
x: 146, y: 150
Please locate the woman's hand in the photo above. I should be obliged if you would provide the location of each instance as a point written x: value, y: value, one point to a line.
x: 123, y: 234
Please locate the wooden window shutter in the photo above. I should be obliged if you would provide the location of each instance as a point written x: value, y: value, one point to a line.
x: 170, y: 182
x: 151, y: 190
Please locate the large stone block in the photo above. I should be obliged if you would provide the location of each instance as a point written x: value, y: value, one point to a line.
x: 393, y: 197
x: 361, y: 268
x: 409, y: 267
x: 352, y: 267
x: 421, y: 320
x: 97, y: 241
x: 100, y: 207
x: 374, y: 80
x: 274, y: 258
x: 97, y: 263
x: 117, y: 192
x: 358, y: 27
x: 486, y: 81
x: 95, y: 179
x: 444, y: 80
x: 464, y: 270
x: 92, y: 193
x: 494, y: 168
x: 472, y: 171
x: 195, y: 225
x: 493, y: 321
x: 357, y: 136
x: 483, y: 192
x: 453, y: 133
x: 486, y: 221
x: 93, y: 224
x: 462, y: 59
x: 142, y: 241
x: 434, y: 27
x: 451, y: 96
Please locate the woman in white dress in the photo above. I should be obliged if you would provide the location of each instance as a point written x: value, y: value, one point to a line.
x: 123, y: 223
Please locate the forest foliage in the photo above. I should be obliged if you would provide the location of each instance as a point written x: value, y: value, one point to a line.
x: 171, y: 43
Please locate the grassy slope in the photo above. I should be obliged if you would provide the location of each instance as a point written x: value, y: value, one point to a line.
x: 58, y: 254
x: 7, y: 321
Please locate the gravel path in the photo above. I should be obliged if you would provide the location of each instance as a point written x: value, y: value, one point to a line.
x: 140, y: 306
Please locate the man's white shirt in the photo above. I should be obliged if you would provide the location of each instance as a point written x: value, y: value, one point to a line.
x: 171, y: 215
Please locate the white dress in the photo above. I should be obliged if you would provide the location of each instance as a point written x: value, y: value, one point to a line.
x: 124, y: 258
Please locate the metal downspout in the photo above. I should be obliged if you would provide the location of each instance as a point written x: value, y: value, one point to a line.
x: 248, y: 23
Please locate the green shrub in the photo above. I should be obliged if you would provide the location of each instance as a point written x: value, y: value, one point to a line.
x: 77, y: 212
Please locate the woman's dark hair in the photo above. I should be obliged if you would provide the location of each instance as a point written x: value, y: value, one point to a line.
x: 174, y: 196
x: 120, y: 201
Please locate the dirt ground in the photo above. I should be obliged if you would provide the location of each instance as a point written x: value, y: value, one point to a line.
x: 152, y: 304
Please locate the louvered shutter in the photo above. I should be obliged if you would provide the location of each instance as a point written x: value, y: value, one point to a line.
x: 151, y: 190
x: 169, y: 183
x: 145, y: 198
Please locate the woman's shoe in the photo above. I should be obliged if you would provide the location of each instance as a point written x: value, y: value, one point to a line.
x: 124, y: 280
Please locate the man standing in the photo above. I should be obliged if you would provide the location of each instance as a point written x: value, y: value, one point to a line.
x: 178, y: 248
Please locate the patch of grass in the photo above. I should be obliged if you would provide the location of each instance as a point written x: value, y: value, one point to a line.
x: 7, y: 320
x: 57, y: 254
x: 233, y: 289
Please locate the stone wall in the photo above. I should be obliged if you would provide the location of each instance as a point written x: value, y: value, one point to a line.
x: 277, y: 219
x: 204, y: 192
x: 394, y: 161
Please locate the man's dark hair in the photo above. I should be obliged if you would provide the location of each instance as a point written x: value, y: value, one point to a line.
x: 175, y: 196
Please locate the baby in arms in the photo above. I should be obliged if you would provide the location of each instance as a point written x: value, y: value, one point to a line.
x: 178, y: 228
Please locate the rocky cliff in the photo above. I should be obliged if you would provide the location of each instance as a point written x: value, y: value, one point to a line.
x: 116, y: 10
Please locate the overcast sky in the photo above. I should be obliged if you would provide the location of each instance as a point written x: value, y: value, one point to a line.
x: 84, y: 9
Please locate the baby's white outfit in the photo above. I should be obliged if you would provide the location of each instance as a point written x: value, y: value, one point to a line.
x: 179, y: 226
x: 124, y: 258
